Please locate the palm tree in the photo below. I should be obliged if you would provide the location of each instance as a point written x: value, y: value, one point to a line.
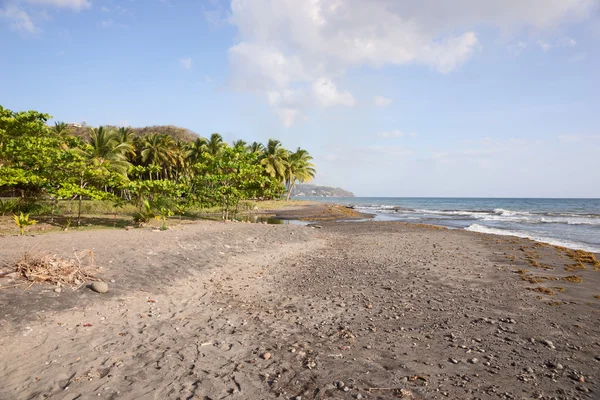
x: 106, y: 148
x: 257, y: 147
x: 240, y: 144
x: 196, y: 148
x: 275, y: 159
x: 299, y: 169
x: 157, y: 149
x: 215, y: 144
x: 60, y: 128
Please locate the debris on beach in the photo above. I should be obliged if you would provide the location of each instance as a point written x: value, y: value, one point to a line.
x: 56, y: 270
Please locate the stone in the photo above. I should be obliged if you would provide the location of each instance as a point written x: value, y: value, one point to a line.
x: 549, y: 344
x: 99, y: 287
x: 453, y: 361
x: 266, y: 356
x: 474, y: 360
x: 58, y: 290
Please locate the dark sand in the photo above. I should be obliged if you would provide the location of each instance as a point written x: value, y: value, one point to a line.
x: 392, y: 310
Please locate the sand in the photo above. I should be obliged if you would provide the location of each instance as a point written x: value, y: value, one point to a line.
x: 349, y: 310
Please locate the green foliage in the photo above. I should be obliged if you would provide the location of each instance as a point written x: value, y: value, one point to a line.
x: 163, y: 214
x: 156, y: 168
x: 145, y: 214
x: 23, y: 221
x: 7, y: 206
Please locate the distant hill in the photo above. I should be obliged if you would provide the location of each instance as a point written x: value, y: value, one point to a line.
x: 305, y: 190
x: 175, y: 132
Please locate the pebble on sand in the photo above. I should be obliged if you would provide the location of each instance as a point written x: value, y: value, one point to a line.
x: 266, y: 356
x: 99, y: 287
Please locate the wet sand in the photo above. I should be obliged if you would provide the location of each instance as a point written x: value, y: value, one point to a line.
x: 372, y: 310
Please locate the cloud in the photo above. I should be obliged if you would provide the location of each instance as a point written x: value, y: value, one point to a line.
x: 327, y: 94
x: 544, y: 45
x: 302, y: 44
x: 381, y: 101
x: 72, y: 4
x: 577, y: 138
x: 186, y: 63
x: 106, y: 23
x: 18, y: 19
x: 392, y: 134
x: 567, y: 42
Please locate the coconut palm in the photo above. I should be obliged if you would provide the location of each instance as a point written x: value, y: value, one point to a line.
x: 215, y: 144
x: 299, y: 169
x: 158, y: 150
x: 240, y: 144
x: 106, y: 149
x: 195, y: 149
x: 60, y: 128
x: 275, y: 159
x: 256, y: 147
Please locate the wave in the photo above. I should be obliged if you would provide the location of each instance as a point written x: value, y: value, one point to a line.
x: 498, y: 214
x: 532, y: 236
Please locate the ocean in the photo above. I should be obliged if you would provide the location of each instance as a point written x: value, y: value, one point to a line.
x: 573, y: 223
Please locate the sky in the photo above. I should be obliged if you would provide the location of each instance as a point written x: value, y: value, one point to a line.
x: 453, y: 98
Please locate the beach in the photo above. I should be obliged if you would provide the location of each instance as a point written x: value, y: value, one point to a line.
x: 340, y: 310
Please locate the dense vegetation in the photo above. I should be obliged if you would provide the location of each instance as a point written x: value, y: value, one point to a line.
x: 161, y: 172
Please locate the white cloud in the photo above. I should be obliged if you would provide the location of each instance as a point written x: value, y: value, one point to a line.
x: 391, y: 134
x: 544, y: 45
x: 577, y: 138
x: 72, y: 4
x: 567, y: 42
x: 381, y: 101
x: 186, y: 63
x: 301, y: 44
x: 106, y: 23
x: 18, y: 19
x: 327, y: 94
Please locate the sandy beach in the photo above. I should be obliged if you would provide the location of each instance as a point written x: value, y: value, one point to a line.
x: 370, y: 310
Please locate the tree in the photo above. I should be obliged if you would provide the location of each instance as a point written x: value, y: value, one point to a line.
x: 299, y: 169
x: 106, y: 149
x: 196, y: 149
x: 257, y: 148
x: 275, y: 159
x: 215, y: 145
x: 60, y: 128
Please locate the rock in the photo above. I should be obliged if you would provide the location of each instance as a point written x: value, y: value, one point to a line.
x: 474, y: 360
x: 549, y: 344
x: 340, y: 384
x: 597, y: 358
x: 58, y: 290
x: 559, y: 366
x: 266, y: 356
x: 453, y: 361
x: 359, y: 396
x: 529, y: 370
x: 99, y: 287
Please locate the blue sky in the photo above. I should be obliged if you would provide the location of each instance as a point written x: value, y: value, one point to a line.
x: 392, y: 97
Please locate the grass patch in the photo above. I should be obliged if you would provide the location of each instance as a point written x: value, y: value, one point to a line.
x: 573, y: 279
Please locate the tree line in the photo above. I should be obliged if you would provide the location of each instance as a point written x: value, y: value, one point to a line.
x: 39, y: 162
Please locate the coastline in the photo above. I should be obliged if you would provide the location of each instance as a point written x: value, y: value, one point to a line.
x: 385, y: 307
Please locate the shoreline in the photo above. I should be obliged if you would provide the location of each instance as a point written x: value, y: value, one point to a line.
x: 482, y: 229
x: 191, y: 312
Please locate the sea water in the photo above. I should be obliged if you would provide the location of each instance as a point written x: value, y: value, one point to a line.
x: 573, y: 223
